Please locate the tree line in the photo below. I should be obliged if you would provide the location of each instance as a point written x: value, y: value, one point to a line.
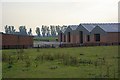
x: 44, y: 31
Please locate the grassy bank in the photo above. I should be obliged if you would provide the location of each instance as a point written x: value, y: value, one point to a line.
x: 45, y: 39
x: 82, y: 62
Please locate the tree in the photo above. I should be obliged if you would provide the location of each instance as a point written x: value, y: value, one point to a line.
x: 38, y: 31
x: 44, y: 29
x: 58, y: 28
x: 23, y: 30
x: 6, y: 29
x: 12, y: 29
x: 30, y: 32
x: 9, y: 29
x: 53, y: 30
x: 48, y: 31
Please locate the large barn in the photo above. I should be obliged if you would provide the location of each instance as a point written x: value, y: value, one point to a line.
x: 16, y: 41
x: 91, y: 33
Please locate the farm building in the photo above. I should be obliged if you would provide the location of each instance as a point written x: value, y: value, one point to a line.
x: 16, y: 41
x: 91, y: 34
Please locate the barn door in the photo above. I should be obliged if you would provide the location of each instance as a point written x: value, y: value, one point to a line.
x: 81, y: 36
x: 69, y: 37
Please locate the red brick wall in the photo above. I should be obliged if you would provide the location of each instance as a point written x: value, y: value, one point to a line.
x: 12, y: 40
x: 104, y: 38
x: 113, y: 37
x: 107, y: 38
x: 8, y: 39
x: 25, y: 40
x: 77, y: 38
x: 59, y: 37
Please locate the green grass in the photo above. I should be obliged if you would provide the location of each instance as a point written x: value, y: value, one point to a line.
x: 45, y: 39
x: 78, y: 70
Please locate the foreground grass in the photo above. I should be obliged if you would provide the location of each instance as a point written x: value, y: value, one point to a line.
x: 32, y: 65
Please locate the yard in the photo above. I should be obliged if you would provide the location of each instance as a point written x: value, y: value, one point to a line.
x: 77, y: 62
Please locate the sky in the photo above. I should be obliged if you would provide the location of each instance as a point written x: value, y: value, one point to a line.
x: 33, y: 13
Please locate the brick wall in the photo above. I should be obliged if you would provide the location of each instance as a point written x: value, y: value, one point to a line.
x: 113, y: 37
x: 104, y: 38
x: 15, y: 41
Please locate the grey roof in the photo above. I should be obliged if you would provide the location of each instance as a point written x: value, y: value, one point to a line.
x: 110, y: 27
x: 64, y: 30
x: 89, y: 26
x: 73, y: 27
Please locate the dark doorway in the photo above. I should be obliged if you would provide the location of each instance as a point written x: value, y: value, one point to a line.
x: 69, y: 37
x: 97, y: 37
x: 88, y: 38
x: 60, y: 37
x: 64, y: 38
x: 81, y: 36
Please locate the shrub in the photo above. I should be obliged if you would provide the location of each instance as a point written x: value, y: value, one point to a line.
x: 5, y: 58
x: 73, y: 60
x: 27, y: 63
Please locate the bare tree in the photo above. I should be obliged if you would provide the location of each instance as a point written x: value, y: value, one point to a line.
x: 58, y: 28
x: 9, y: 29
x: 48, y: 31
x: 44, y: 29
x: 30, y: 32
x: 38, y: 31
x: 53, y: 30
x: 23, y: 30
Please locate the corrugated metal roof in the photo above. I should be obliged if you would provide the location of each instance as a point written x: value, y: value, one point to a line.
x: 73, y: 27
x: 89, y: 26
x: 110, y: 27
x: 64, y: 30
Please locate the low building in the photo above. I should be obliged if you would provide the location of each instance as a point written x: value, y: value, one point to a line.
x: 105, y: 33
x: 91, y: 33
x: 16, y: 41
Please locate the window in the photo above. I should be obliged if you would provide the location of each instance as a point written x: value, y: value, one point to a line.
x: 88, y: 38
x: 97, y: 37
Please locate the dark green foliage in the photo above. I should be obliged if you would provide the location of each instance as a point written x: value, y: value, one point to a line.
x: 27, y: 63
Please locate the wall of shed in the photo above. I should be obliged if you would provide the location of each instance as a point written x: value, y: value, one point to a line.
x: 8, y: 39
x: 59, y: 37
x: 103, y: 39
x: 16, y: 41
x: 113, y: 37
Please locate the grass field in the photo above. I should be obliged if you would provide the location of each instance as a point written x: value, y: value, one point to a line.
x: 46, y: 39
x: 82, y: 62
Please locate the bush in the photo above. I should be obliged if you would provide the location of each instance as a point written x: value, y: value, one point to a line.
x: 5, y: 58
x: 73, y: 60
x: 27, y: 63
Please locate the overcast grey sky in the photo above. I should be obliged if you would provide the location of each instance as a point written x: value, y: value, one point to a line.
x: 34, y: 13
